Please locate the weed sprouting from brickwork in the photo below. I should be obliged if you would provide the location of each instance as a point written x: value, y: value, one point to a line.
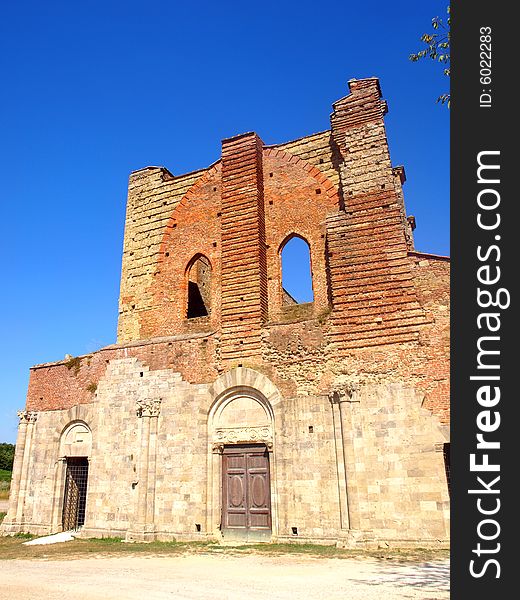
x: 74, y: 363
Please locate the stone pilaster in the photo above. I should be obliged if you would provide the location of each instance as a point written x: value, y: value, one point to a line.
x: 341, y: 403
x: 13, y: 521
x: 144, y: 527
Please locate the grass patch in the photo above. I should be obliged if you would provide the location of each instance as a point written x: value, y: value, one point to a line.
x: 2, y: 515
x: 5, y: 475
x: 400, y: 554
x: 11, y: 547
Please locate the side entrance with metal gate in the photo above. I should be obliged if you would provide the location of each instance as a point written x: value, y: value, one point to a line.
x: 246, y: 493
x: 75, y: 494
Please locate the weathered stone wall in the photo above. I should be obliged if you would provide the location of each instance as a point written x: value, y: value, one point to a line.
x: 396, y: 491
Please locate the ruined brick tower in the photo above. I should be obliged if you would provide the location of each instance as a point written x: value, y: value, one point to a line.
x: 226, y: 409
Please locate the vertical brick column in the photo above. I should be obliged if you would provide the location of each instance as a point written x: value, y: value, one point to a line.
x: 244, y: 265
x: 372, y: 286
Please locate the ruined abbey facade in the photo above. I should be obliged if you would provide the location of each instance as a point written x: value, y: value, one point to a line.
x: 228, y: 410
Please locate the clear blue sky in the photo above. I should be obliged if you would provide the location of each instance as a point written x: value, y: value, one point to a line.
x: 93, y: 90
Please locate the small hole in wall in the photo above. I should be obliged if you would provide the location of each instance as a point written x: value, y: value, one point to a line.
x: 134, y: 483
x: 214, y: 189
x: 318, y: 191
x: 219, y: 214
x: 383, y: 186
x: 133, y: 306
x: 141, y: 374
x: 271, y: 202
x: 197, y: 526
x: 294, y: 530
x: 321, y: 161
x: 270, y: 174
x: 241, y: 318
x: 166, y: 254
x: 239, y: 364
x: 214, y: 244
x: 174, y: 225
x: 311, y: 429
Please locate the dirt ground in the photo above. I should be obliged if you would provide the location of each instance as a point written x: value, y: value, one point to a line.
x: 223, y: 577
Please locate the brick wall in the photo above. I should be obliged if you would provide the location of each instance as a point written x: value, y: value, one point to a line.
x: 380, y: 310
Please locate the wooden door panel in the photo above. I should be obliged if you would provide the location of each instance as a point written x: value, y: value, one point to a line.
x: 246, y: 500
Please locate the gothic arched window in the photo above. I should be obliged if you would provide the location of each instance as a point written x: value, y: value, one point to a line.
x: 199, y: 287
x: 296, y: 271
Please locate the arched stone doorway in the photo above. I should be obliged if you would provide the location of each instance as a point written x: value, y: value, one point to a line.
x: 241, y: 468
x: 75, y: 451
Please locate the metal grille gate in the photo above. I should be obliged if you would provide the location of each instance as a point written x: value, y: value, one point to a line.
x: 75, y: 497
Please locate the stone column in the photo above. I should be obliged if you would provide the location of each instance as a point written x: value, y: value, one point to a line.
x: 340, y: 465
x: 23, y: 481
x: 60, y: 470
x: 342, y: 403
x: 214, y: 509
x: 144, y: 527
x: 10, y: 519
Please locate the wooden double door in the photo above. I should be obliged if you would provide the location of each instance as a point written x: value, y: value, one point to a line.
x: 246, y: 493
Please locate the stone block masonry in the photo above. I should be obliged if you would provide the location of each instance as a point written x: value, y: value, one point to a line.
x: 225, y: 412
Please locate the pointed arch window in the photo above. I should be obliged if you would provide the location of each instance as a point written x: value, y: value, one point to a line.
x: 199, y: 287
x: 296, y: 271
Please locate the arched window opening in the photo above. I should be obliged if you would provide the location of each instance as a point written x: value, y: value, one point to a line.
x: 199, y: 288
x: 296, y: 272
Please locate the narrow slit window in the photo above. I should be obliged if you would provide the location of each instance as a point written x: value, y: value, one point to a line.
x: 296, y: 272
x: 199, y: 287
x: 447, y: 466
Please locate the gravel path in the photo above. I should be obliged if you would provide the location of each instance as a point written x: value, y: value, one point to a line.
x: 223, y: 577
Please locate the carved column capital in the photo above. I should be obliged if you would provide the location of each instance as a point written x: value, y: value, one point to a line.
x: 217, y: 448
x: 347, y: 393
x: 149, y: 407
x: 27, y: 416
